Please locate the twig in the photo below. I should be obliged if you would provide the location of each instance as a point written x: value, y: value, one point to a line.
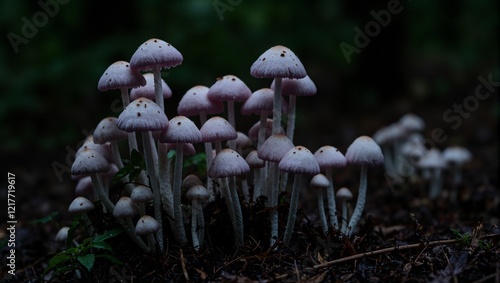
x: 397, y: 248
x: 183, y: 264
x: 449, y: 265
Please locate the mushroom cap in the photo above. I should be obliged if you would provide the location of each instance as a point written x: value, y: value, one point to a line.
x: 299, y: 160
x: 84, y: 187
x: 80, y: 205
x: 275, y: 147
x: 242, y: 140
x: 155, y: 52
x: 125, y: 207
x: 364, y: 151
x: 146, y: 225
x: 278, y: 62
x: 253, y: 133
x: 142, y: 115
x: 457, y: 154
x: 120, y: 75
x: 319, y: 181
x: 389, y: 134
x: 411, y: 122
x: 197, y: 192
x: 89, y: 161
x: 254, y: 161
x: 181, y: 130
x: 217, y: 128
x: 62, y: 234
x: 413, y: 149
x: 107, y: 130
x: 329, y: 157
x: 148, y: 90
x: 298, y: 87
x: 433, y: 159
x: 344, y: 193
x: 190, y: 181
x: 228, y: 163
x: 141, y: 194
x: 229, y: 88
x: 261, y: 100
x: 195, y: 100
x: 103, y: 149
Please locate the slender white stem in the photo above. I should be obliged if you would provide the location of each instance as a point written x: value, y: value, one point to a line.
x: 344, y: 216
x: 360, y: 204
x: 257, y: 175
x: 132, y: 140
x: 226, y: 193
x: 238, y: 216
x: 194, y: 225
x: 272, y: 194
x: 167, y: 197
x: 244, y: 190
x: 179, y: 223
x: 101, y: 193
x: 151, y: 168
x: 292, y: 211
x: 277, y: 106
x: 88, y: 225
x: 201, y: 224
x: 290, y: 127
x: 330, y: 193
x: 208, y: 151
x: 321, y: 211
x: 436, y: 184
x: 231, y: 120
x: 158, y: 87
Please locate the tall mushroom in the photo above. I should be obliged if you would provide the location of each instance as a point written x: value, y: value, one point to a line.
x: 197, y: 194
x: 319, y: 183
x: 364, y: 152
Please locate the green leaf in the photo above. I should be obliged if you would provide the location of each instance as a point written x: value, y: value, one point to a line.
x: 101, y: 245
x: 123, y: 172
x: 107, y: 234
x: 45, y: 219
x: 57, y: 259
x: 170, y: 154
x: 136, y: 158
x: 110, y: 258
x: 134, y: 173
x: 87, y: 260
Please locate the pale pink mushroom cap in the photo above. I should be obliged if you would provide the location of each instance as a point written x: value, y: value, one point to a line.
x: 299, y: 160
x: 298, y: 87
x: 195, y: 100
x: 142, y: 115
x: 120, y: 75
x: 148, y: 90
x: 229, y: 88
x: 228, y: 163
x: 278, y: 62
x: 364, y: 151
x: 155, y: 52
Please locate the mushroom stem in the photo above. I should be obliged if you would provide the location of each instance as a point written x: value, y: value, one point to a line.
x: 164, y: 179
x: 88, y: 225
x: 151, y: 168
x: 181, y: 234
x: 290, y: 127
x: 194, y: 225
x: 344, y: 216
x: 321, y: 209
x: 158, y: 87
x: 330, y: 193
x: 208, y: 151
x: 231, y: 120
x: 272, y: 193
x: 360, y: 203
x: 226, y: 193
x: 257, y: 183
x: 277, y: 106
x: 244, y: 190
x: 201, y: 223
x: 96, y: 182
x: 435, y: 184
x: 238, y: 216
x: 292, y: 211
x: 132, y: 140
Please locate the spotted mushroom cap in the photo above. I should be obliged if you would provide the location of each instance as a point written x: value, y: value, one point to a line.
x: 261, y: 100
x: 103, y: 149
x: 298, y: 87
x: 364, y: 151
x: 141, y: 194
x: 107, y: 130
x: 146, y: 225
x: 275, y: 147
x: 229, y: 87
x: 148, y: 90
x: 89, y: 161
x: 228, y: 163
x: 125, y: 207
x: 120, y: 75
x: 195, y: 100
x: 80, y: 205
x: 155, y: 52
x: 197, y: 192
x: 278, y: 62
x: 329, y: 157
x: 142, y: 115
x: 181, y: 130
x: 299, y: 160
x: 217, y: 128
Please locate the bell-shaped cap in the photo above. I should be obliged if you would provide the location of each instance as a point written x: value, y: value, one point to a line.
x: 107, y: 130
x: 142, y: 115
x: 180, y: 130
x: 195, y: 101
x: 329, y: 157
x: 80, y: 205
x: 228, y: 163
x: 120, y: 75
x: 155, y: 52
x: 278, y: 62
x: 298, y: 87
x: 275, y: 147
x: 364, y: 151
x: 146, y: 225
x: 229, y: 88
x: 299, y: 160
x: 148, y: 90
x: 89, y: 161
x: 217, y: 128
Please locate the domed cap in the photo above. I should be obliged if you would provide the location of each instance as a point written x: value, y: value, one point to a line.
x: 329, y: 157
x: 389, y: 134
x: 190, y: 181
x: 120, y: 75
x: 299, y: 160
x: 433, y: 159
x: 146, y: 225
x: 278, y: 62
x: 275, y: 147
x: 125, y: 207
x: 253, y: 133
x: 181, y: 130
x: 141, y: 194
x: 228, y: 163
x: 319, y: 181
x: 364, y: 151
x: 197, y: 192
x: 62, y: 234
x: 89, y: 161
x: 229, y: 88
x: 84, y: 187
x: 107, y: 130
x: 142, y: 115
x: 344, y: 193
x: 148, y: 90
x: 80, y: 205
x: 261, y: 100
x: 195, y: 100
x: 298, y: 87
x: 155, y: 52
x: 254, y: 161
x: 242, y: 141
x: 217, y: 128
x: 103, y: 149
x: 457, y: 154
x: 411, y: 122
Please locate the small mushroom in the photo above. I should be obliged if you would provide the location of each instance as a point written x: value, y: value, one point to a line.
x: 197, y: 194
x: 344, y: 195
x: 320, y: 182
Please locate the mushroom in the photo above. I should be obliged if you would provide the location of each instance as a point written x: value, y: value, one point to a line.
x: 81, y: 205
x: 364, y: 152
x: 197, y: 194
x: 62, y: 234
x: 148, y: 90
x: 278, y: 62
x: 107, y: 131
x: 181, y: 130
x: 257, y: 165
x: 217, y: 129
x: 299, y: 161
x: 319, y: 183
x: 141, y: 195
x: 125, y: 209
x: 435, y: 163
x: 228, y: 163
x: 328, y: 158
x: 147, y: 226
x: 344, y: 195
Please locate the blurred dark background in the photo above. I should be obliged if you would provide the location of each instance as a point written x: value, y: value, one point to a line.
x: 426, y: 59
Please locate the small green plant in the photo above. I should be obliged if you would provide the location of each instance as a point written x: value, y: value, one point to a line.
x: 464, y: 239
x: 471, y: 240
x: 81, y: 259
x: 131, y: 168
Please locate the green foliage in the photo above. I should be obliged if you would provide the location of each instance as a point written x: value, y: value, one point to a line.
x: 198, y: 161
x: 81, y: 259
x: 46, y: 219
x: 131, y: 168
x: 464, y: 239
